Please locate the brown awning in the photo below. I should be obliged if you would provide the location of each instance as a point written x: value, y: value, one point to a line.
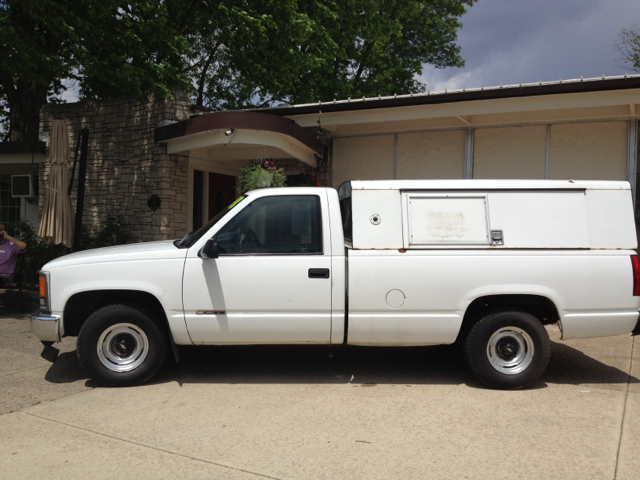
x: 225, y: 121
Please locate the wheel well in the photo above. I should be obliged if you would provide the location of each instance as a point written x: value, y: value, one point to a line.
x: 537, y: 305
x: 81, y: 305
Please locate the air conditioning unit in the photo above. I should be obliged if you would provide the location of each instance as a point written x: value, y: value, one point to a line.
x: 24, y: 186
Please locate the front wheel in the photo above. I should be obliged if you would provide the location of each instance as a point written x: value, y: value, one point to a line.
x: 119, y: 345
x: 508, y: 350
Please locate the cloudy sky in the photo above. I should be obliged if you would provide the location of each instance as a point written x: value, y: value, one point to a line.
x: 513, y: 41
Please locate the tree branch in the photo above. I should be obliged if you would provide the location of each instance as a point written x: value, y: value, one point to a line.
x: 269, y: 102
x: 204, y: 73
x: 367, y: 51
x: 187, y: 17
x: 9, y: 87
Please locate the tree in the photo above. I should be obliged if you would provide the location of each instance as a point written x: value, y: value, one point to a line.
x: 244, y: 53
x: 628, y: 45
x: 110, y: 47
x: 381, y: 46
x: 310, y: 50
x: 230, y: 53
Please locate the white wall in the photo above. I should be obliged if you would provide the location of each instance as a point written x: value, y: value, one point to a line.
x: 584, y: 151
x: 589, y: 151
x: 512, y: 152
x: 362, y: 158
x: 431, y: 155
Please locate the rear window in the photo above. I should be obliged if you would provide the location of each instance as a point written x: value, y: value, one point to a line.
x: 346, y: 211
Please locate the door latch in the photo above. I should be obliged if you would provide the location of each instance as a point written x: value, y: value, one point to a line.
x: 318, y: 273
x: 496, y: 237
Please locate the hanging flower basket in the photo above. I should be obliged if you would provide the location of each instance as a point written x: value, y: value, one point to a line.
x: 261, y: 174
x: 263, y: 178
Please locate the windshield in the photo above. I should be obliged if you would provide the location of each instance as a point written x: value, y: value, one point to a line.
x: 192, y: 237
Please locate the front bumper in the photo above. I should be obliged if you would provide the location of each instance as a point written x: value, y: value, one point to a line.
x: 45, y: 327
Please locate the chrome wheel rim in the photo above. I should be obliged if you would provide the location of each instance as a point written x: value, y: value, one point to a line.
x: 123, y: 347
x: 510, y: 350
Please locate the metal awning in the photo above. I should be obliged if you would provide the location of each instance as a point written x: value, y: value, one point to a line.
x: 536, y: 89
x: 239, y: 136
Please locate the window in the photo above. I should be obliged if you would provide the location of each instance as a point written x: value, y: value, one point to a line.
x: 9, y: 207
x: 288, y: 224
x: 344, y: 193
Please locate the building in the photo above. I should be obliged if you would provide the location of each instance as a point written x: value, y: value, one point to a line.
x: 576, y: 129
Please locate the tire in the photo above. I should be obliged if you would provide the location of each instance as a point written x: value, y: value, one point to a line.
x: 508, y: 350
x: 120, y: 345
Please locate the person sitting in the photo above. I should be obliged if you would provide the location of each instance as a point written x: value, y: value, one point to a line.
x: 9, y: 249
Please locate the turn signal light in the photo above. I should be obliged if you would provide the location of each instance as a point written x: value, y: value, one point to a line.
x: 43, y: 286
x: 635, y: 263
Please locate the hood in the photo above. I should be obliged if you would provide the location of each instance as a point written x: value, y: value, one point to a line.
x: 120, y: 253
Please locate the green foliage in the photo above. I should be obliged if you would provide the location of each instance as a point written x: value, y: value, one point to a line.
x: 136, y: 49
x: 260, y: 174
x: 110, y: 234
x: 301, y: 180
x: 234, y: 54
x: 110, y: 47
x: 379, y: 46
x: 629, y: 46
x: 39, y: 253
x: 260, y: 52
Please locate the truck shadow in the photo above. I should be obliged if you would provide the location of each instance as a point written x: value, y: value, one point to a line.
x: 438, y: 365
x: 367, y: 366
x: 65, y: 368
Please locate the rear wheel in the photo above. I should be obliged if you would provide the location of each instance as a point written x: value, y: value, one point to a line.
x: 508, y: 350
x: 120, y: 345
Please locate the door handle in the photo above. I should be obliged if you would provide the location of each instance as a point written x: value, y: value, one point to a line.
x: 318, y: 273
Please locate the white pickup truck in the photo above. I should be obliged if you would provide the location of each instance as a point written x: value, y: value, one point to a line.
x: 396, y: 263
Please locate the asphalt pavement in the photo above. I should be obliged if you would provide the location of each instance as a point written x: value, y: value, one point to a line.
x: 319, y: 413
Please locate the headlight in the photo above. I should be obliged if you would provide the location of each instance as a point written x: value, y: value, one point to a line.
x: 45, y: 299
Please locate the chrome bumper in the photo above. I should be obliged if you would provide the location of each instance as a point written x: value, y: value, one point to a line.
x: 45, y: 327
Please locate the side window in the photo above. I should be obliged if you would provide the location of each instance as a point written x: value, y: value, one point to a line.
x: 288, y: 224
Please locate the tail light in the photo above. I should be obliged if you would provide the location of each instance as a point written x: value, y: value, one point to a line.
x: 635, y: 263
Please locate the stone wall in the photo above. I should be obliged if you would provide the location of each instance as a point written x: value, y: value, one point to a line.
x: 124, y: 166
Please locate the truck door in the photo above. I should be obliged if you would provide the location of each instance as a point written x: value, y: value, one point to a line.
x: 271, y: 282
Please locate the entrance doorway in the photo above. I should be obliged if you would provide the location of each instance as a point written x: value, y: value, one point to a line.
x: 212, y: 192
x: 222, y: 192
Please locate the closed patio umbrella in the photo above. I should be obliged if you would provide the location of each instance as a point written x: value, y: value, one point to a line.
x: 58, y: 216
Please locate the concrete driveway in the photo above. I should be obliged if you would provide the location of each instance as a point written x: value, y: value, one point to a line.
x: 319, y: 412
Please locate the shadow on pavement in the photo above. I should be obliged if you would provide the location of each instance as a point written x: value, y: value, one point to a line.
x: 570, y: 366
x: 438, y: 365
x: 66, y: 369
x: 318, y: 364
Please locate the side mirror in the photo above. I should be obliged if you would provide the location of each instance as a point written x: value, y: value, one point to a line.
x: 210, y: 249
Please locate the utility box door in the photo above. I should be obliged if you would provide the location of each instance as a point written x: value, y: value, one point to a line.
x: 449, y: 219
x: 541, y: 219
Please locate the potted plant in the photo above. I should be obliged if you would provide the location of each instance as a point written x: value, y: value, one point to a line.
x: 262, y: 173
